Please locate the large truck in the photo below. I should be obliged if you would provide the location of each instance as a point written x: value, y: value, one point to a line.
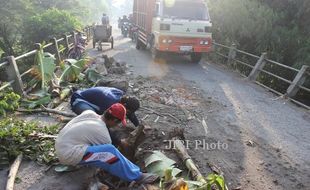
x: 173, y: 26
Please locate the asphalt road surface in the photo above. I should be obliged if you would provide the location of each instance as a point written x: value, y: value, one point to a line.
x: 276, y: 124
x: 268, y: 137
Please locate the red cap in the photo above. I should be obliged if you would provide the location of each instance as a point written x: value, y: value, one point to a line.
x: 118, y: 111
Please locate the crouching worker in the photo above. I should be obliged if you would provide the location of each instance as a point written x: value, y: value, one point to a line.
x: 99, y: 99
x: 86, y: 140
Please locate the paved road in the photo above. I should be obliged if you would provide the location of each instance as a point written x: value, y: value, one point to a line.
x: 243, y: 111
x: 258, y: 113
x: 278, y: 121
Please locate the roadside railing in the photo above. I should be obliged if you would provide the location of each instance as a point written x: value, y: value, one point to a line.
x: 57, y: 47
x: 260, y: 66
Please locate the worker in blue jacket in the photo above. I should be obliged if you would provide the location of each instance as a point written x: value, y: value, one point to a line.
x: 99, y: 99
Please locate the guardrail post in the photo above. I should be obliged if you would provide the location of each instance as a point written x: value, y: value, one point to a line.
x: 12, y: 72
x: 74, y: 37
x: 66, y: 42
x: 258, y: 67
x: 232, y: 54
x: 57, y: 53
x: 298, y: 81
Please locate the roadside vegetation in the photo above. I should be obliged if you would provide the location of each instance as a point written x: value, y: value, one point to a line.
x: 280, y: 28
x: 255, y: 26
x: 25, y: 22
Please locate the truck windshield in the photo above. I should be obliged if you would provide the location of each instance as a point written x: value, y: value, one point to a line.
x: 187, y: 10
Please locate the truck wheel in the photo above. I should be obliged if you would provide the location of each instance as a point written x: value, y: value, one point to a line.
x: 196, y: 57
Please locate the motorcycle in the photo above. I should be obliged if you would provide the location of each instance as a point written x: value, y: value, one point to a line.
x: 78, y: 49
x: 125, y: 29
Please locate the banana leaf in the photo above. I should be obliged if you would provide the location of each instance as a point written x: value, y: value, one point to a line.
x: 30, y: 104
x: 93, y: 76
x: 158, y: 163
x: 73, y: 69
x: 39, y: 98
x: 43, y: 71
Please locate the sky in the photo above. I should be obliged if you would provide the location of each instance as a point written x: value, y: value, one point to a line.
x: 121, y: 7
x: 117, y: 3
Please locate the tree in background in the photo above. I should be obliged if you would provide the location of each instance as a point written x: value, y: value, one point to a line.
x: 244, y: 22
x: 43, y: 5
x: 25, y: 22
x: 279, y: 27
x: 292, y: 31
x: 50, y: 23
x: 11, y: 13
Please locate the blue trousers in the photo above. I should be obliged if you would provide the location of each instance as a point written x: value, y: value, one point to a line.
x: 108, y: 158
x: 81, y: 107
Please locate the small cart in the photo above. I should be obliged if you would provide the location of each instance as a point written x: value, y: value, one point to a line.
x: 103, y: 34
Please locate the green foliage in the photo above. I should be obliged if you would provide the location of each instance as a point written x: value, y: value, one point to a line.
x: 245, y: 22
x: 10, y: 22
x: 280, y: 28
x: 42, y: 5
x: 51, y: 23
x: 264, y: 26
x: 25, y: 22
x: 73, y: 69
x: 217, y: 180
x: 93, y: 76
x: 160, y: 164
x: 44, y: 68
x: 9, y: 102
x: 42, y: 99
x: 17, y: 136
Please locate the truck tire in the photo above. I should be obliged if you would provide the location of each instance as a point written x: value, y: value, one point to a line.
x: 196, y: 57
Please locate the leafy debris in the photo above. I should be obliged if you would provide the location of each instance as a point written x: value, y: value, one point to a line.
x: 17, y: 136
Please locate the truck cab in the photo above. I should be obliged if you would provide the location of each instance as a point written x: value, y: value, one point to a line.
x: 178, y: 26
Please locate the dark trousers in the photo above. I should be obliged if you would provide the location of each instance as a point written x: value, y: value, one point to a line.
x: 81, y: 107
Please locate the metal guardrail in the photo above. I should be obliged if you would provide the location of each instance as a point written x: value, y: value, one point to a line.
x: 294, y: 85
x: 4, y: 64
x: 7, y: 85
x: 10, y: 65
x: 26, y: 55
x: 282, y: 65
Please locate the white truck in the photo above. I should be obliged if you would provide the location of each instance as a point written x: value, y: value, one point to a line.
x: 173, y: 26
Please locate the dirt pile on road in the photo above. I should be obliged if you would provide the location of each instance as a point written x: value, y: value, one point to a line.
x: 169, y: 109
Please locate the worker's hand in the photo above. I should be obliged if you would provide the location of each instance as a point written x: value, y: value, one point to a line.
x: 124, y: 144
x: 126, y: 149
